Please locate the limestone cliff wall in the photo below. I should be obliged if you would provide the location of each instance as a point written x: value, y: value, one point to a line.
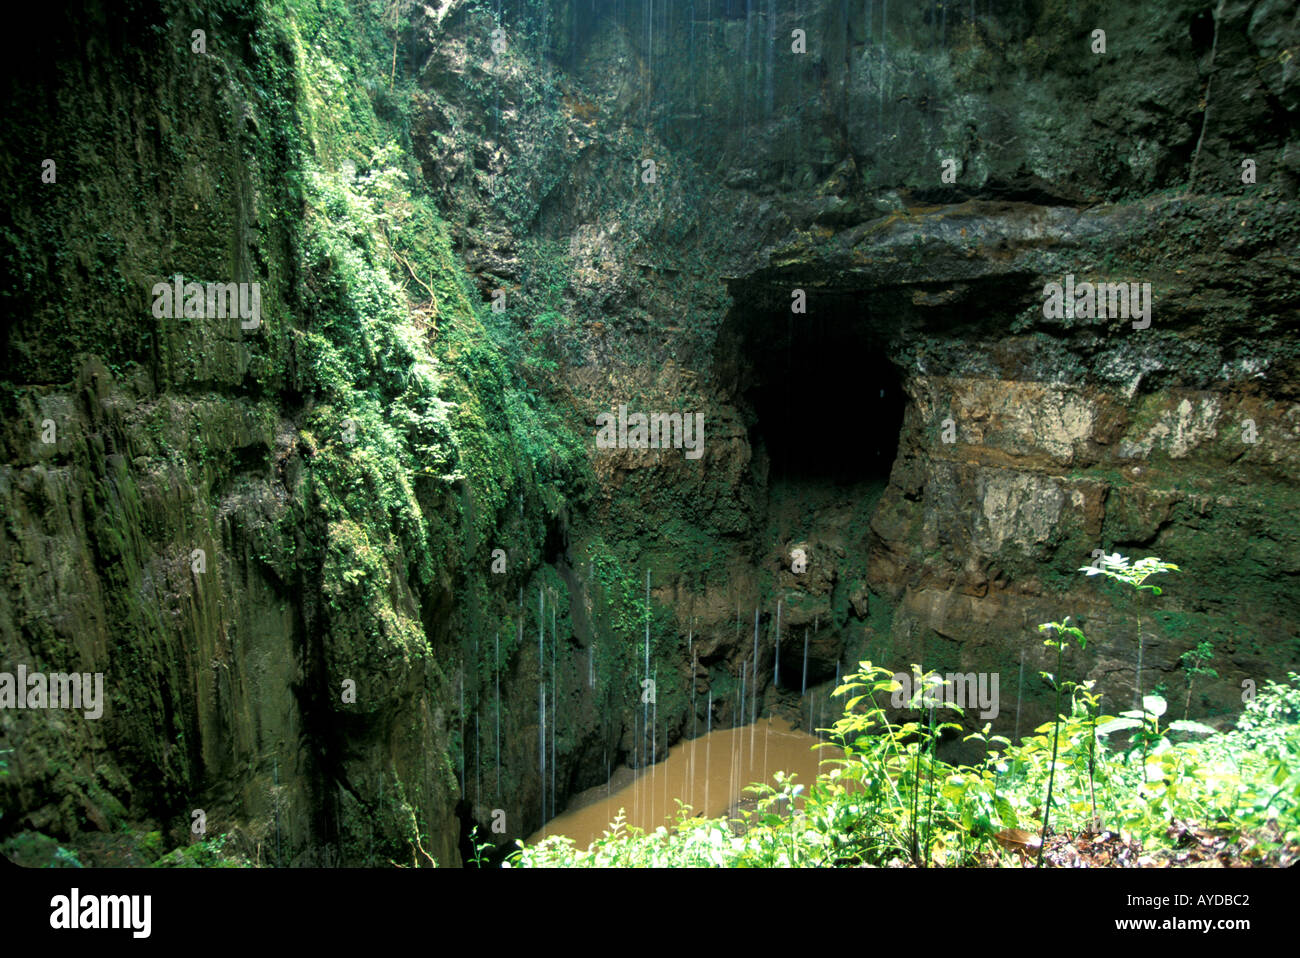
x: 641, y: 188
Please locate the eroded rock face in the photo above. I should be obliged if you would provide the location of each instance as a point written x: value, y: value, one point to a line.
x: 1029, y: 442
x: 186, y: 512
x: 1011, y: 508
x: 824, y: 175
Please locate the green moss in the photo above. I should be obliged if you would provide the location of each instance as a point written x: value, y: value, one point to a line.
x: 208, y: 853
x: 36, y: 850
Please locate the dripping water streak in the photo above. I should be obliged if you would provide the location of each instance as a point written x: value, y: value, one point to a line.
x: 753, y: 723
x: 478, y: 756
x: 664, y: 776
x: 708, y: 750
x: 555, y: 698
x: 541, y: 743
x: 1020, y: 684
x: 654, y: 753
x: 462, y: 731
x: 880, y: 120
x: 776, y: 665
x: 803, y: 685
x: 541, y: 698
x: 498, y: 672
x: 645, y: 699
x: 740, y: 702
x: 695, y: 725
x: 650, y: 61
x: 769, y: 99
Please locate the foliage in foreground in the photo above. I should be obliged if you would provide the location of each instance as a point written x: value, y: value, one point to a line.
x: 1095, y: 789
x: 890, y: 801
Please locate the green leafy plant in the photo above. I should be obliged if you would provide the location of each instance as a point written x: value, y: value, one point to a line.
x: 889, y: 800
x: 1086, y: 702
x: 1145, y: 725
x: 887, y: 760
x: 1117, y: 567
x: 1063, y: 631
x: 478, y: 858
x: 1275, y: 706
x: 1195, y: 662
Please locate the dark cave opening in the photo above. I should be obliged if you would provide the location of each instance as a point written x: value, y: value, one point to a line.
x: 826, y: 402
x: 823, y: 406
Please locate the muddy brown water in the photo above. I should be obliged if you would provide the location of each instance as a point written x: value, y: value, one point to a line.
x: 708, y: 773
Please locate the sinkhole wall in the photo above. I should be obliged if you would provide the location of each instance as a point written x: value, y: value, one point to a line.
x: 304, y: 552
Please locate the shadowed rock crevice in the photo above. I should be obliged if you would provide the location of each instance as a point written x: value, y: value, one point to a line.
x: 820, y: 397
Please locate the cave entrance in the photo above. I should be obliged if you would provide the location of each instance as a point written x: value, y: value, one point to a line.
x: 826, y: 403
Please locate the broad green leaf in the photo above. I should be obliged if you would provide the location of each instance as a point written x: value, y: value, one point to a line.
x: 1117, y: 725
x: 1007, y: 812
x: 1183, y: 725
x: 1154, y: 704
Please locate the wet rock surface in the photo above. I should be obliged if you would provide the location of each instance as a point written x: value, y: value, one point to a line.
x: 944, y: 453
